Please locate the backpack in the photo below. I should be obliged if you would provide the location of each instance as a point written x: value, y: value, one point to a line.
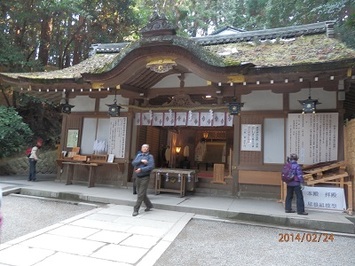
x: 28, y: 151
x: 287, y: 174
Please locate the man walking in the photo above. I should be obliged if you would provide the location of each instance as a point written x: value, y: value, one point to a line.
x: 143, y: 165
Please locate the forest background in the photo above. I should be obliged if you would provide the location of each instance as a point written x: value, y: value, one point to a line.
x: 43, y: 35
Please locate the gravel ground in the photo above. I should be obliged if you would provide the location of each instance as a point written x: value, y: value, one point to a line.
x: 211, y: 243
x: 23, y: 215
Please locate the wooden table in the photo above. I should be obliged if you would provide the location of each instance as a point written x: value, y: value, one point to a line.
x: 71, y: 164
x: 70, y: 172
x: 181, y: 175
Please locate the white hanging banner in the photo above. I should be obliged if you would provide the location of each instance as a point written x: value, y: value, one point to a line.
x: 193, y: 119
x: 146, y: 119
x: 205, y: 119
x: 219, y: 119
x: 137, y: 119
x: 314, y: 137
x: 181, y: 119
x: 229, y: 120
x: 157, y: 119
x: 170, y: 118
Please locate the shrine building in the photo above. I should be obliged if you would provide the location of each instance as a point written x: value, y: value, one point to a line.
x: 221, y: 111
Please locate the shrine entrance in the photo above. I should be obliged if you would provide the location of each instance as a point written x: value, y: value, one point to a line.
x: 207, y: 151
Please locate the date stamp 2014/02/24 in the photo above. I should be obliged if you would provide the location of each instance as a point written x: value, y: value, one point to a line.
x: 305, y: 237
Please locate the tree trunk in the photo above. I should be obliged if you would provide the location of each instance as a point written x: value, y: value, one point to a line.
x: 46, y: 31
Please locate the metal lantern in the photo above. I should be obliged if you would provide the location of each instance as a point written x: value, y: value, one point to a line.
x: 66, y: 107
x: 114, y: 109
x: 309, y: 105
x: 235, y: 107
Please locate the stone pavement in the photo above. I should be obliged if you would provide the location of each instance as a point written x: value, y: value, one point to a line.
x: 103, y: 236
x: 111, y: 236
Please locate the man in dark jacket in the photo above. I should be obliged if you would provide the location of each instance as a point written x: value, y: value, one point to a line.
x: 295, y: 186
x: 143, y: 165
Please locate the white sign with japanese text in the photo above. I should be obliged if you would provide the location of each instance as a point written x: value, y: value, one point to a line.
x: 251, y: 137
x: 314, y: 137
x: 327, y: 198
x: 117, y: 136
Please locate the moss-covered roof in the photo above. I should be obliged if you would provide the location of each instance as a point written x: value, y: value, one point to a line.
x: 284, y: 52
x: 93, y: 64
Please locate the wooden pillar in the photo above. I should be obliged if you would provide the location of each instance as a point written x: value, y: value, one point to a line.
x: 236, y: 154
x: 218, y: 174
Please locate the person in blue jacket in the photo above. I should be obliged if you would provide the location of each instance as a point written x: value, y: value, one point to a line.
x: 143, y: 165
x: 295, y: 186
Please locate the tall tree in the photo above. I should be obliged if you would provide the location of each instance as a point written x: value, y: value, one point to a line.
x: 45, y: 37
x: 296, y: 12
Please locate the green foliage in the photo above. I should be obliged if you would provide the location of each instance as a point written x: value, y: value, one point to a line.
x: 346, y: 28
x: 12, y: 58
x: 347, y: 34
x: 66, y: 29
x: 43, y: 118
x: 260, y: 14
x: 351, y: 21
x: 14, y: 133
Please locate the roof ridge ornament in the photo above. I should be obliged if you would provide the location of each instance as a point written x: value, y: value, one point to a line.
x: 158, y: 25
x: 181, y: 100
x: 161, y: 65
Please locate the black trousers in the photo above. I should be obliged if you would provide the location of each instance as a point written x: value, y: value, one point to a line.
x: 32, y: 173
x: 299, y: 198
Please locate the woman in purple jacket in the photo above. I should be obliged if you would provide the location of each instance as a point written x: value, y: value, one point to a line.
x: 295, y: 186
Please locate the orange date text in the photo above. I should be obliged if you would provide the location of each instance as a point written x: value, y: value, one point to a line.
x: 305, y: 237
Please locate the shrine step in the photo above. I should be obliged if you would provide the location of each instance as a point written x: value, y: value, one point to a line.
x: 351, y: 219
x: 212, y: 191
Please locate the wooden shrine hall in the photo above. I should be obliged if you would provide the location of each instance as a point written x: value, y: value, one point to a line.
x: 226, y: 108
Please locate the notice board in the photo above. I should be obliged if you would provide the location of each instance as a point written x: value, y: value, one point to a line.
x: 314, y: 137
x: 117, y: 136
